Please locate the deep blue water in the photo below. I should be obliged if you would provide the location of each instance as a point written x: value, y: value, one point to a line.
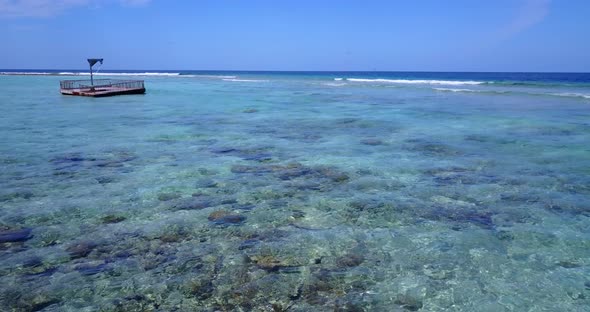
x: 274, y: 191
x: 484, y: 76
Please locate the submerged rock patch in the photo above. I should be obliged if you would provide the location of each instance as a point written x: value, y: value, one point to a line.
x: 20, y: 194
x: 168, y: 196
x: 371, y: 141
x: 223, y: 217
x: 81, y: 249
x: 259, y: 154
x: 8, y: 235
x: 69, y: 165
x: 460, y: 217
x: 350, y: 259
x: 108, y: 219
x: 193, y: 203
x: 432, y: 149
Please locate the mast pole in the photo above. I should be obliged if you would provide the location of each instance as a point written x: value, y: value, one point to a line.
x: 91, y: 78
x: 91, y: 62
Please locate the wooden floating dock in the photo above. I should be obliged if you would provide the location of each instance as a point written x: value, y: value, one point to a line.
x: 101, y: 87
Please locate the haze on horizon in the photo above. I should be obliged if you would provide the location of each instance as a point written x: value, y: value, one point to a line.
x: 424, y: 35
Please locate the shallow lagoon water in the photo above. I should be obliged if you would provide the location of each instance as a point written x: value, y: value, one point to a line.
x: 279, y: 193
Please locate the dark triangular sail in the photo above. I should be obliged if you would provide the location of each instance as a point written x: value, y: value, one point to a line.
x: 94, y: 61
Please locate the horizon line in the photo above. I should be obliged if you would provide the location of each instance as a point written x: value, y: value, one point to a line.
x: 305, y: 71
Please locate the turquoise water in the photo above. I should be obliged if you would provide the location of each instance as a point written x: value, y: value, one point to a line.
x: 293, y: 192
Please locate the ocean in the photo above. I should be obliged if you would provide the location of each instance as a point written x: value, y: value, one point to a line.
x: 296, y: 191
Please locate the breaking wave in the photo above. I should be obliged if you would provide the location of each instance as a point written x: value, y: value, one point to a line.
x: 572, y: 94
x: 456, y: 90
x: 563, y: 94
x: 334, y: 84
x: 88, y: 74
x: 213, y: 76
x: 416, y: 81
x: 243, y: 80
x: 118, y: 74
x: 27, y: 73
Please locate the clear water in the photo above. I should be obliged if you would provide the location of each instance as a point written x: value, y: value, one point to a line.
x: 298, y: 192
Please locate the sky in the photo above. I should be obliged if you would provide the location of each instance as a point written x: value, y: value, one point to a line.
x: 368, y: 35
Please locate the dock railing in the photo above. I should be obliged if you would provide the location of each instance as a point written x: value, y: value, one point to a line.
x: 101, y: 83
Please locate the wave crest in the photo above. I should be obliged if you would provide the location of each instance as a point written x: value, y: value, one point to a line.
x: 118, y: 74
x: 572, y: 94
x: 88, y: 74
x: 416, y: 81
x: 563, y: 94
x: 455, y: 90
x: 215, y: 76
x: 244, y: 80
x: 26, y: 73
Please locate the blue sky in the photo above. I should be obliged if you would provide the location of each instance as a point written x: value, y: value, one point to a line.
x: 388, y: 35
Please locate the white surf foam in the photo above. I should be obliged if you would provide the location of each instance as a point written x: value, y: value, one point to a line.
x: 417, y: 81
x: 472, y: 90
x: 455, y: 90
x: 215, y: 76
x: 119, y: 74
x: 27, y: 73
x: 244, y: 80
x: 572, y: 94
x: 564, y: 94
x: 338, y: 79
